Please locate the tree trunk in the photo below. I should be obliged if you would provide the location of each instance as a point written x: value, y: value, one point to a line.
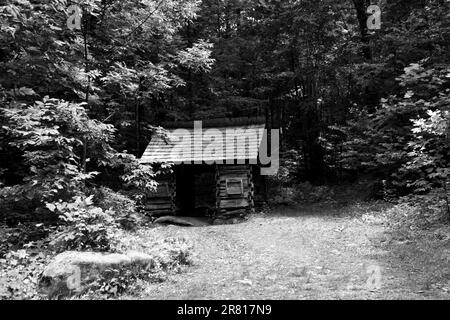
x: 361, y: 14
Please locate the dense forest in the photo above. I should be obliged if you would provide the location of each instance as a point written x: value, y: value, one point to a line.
x: 85, y: 86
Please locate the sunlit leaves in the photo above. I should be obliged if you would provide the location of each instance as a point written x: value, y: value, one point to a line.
x: 197, y: 58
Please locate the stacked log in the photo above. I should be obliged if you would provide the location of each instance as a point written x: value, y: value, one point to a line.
x: 234, y: 191
x: 162, y: 201
x: 228, y: 194
x: 259, y: 189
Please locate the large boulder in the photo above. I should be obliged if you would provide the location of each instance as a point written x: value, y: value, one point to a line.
x: 72, y: 272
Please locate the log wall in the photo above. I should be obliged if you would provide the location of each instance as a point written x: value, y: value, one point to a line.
x: 162, y: 201
x: 229, y: 192
x: 234, y: 191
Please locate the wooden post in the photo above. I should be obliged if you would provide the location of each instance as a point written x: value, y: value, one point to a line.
x: 216, y: 168
x: 173, y: 193
x: 251, y: 192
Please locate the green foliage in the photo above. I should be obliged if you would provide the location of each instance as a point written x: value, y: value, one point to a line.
x: 123, y: 207
x: 84, y: 226
x: 135, y: 175
x: 197, y: 58
x: 22, y: 236
x: 127, y: 56
x: 430, y: 147
x: 51, y: 135
x: 63, y: 150
x: 19, y: 274
x: 407, y: 137
x: 419, y: 222
x: 115, y: 282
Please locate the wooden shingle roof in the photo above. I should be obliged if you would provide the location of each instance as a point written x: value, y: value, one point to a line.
x: 211, y: 145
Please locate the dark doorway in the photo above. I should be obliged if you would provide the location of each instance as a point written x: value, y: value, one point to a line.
x: 185, y: 190
x: 195, y: 190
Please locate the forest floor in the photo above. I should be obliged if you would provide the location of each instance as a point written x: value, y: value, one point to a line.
x: 301, y: 254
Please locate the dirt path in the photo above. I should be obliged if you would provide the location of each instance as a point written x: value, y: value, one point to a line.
x: 289, y: 257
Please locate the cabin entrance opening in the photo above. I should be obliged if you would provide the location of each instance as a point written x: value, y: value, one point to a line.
x: 195, y: 190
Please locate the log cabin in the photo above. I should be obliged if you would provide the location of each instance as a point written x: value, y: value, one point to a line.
x: 216, y: 177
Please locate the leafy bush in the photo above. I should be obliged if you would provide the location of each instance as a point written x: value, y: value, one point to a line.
x: 114, y: 282
x: 84, y: 226
x: 19, y: 273
x: 171, y: 253
x: 12, y: 239
x: 406, y: 139
x: 52, y: 135
x: 415, y: 214
x: 123, y: 206
x: 61, y: 150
